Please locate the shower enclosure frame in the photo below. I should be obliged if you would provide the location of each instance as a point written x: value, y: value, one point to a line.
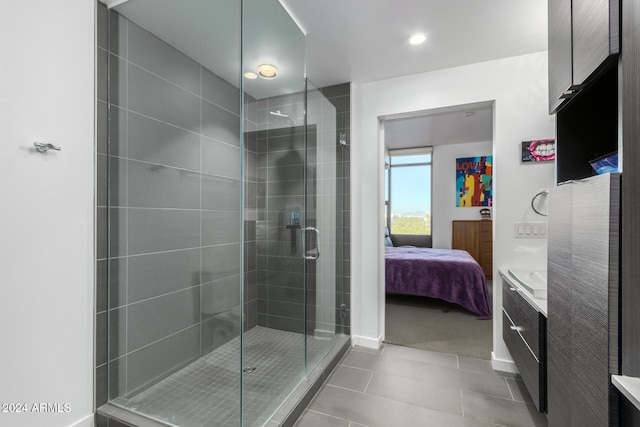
x: 312, y: 375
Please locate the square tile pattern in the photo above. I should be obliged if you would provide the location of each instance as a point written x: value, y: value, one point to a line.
x: 207, y: 392
x: 400, y: 386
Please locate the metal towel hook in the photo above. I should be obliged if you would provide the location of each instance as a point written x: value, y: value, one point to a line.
x: 43, y: 147
x: 533, y: 200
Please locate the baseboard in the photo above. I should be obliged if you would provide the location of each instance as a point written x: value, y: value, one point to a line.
x: 366, y: 342
x: 88, y: 421
x: 503, y: 365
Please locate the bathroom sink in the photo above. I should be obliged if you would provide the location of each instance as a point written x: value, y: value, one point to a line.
x: 533, y: 281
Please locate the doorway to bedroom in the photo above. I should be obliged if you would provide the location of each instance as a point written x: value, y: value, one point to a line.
x: 438, y: 229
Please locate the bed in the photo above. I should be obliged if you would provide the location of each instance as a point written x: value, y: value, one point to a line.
x: 450, y: 275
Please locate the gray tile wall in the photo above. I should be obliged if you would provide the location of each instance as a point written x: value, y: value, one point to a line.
x: 168, y: 210
x: 251, y: 185
x: 340, y: 97
x: 102, y: 229
x: 280, y: 158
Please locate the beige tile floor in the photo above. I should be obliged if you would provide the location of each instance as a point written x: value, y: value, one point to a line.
x: 401, y: 386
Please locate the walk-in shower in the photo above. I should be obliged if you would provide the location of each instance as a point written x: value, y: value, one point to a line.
x: 226, y: 237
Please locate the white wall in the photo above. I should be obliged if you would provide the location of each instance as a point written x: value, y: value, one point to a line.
x: 443, y: 190
x: 47, y: 216
x: 518, y: 86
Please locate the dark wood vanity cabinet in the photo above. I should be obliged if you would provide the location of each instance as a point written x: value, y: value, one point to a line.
x: 584, y: 344
x: 524, y: 333
x: 583, y: 302
x: 584, y: 37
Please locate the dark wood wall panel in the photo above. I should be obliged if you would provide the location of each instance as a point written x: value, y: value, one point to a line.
x: 614, y: 26
x: 559, y: 373
x: 614, y: 296
x: 583, y: 299
x: 629, y: 414
x: 592, y: 36
x: 560, y: 68
x: 630, y: 286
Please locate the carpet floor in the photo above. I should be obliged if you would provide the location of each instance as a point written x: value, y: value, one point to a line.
x: 419, y: 322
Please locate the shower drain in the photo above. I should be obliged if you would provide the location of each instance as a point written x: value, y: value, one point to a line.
x: 249, y: 369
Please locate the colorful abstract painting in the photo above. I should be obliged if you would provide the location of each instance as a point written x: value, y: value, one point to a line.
x: 473, y: 181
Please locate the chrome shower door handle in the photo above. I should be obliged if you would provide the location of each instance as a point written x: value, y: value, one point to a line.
x: 303, y: 233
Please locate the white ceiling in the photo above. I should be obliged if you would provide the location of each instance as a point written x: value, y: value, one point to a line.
x: 209, y: 32
x: 352, y: 41
x: 441, y: 126
x: 347, y: 40
x: 366, y: 40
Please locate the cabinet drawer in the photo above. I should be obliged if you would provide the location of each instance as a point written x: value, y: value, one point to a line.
x: 485, y: 237
x: 486, y: 261
x: 486, y: 226
x: 532, y: 372
x: 523, y: 315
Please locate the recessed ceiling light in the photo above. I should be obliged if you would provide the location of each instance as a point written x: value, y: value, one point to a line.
x: 250, y: 75
x: 417, y: 38
x: 267, y: 71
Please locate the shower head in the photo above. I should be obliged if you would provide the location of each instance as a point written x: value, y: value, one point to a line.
x: 279, y: 114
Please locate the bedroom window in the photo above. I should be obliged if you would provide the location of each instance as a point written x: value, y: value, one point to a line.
x: 408, y: 191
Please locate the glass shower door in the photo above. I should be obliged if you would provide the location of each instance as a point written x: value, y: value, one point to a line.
x: 293, y: 240
x: 273, y: 341
x: 321, y: 250
x: 174, y: 170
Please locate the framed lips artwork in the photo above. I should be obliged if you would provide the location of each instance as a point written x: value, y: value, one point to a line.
x: 538, y: 150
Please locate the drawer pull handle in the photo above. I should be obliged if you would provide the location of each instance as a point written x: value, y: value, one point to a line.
x: 513, y: 289
x: 516, y: 328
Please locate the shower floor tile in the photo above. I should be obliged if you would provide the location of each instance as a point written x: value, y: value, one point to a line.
x: 207, y: 392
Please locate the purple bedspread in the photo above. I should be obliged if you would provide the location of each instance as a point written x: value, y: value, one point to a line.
x: 451, y: 275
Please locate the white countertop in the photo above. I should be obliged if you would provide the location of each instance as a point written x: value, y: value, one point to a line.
x: 539, y: 304
x: 629, y: 386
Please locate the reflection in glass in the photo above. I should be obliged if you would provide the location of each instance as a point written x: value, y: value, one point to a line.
x: 175, y: 314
